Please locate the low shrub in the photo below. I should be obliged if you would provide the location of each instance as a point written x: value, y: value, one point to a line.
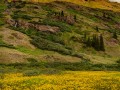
x: 63, y: 26
x: 52, y: 37
x: 20, y: 15
x: 32, y: 72
x: 48, y: 45
x: 1, y: 22
x: 2, y: 44
x: 118, y: 64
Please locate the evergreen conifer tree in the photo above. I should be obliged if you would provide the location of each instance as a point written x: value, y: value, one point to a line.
x: 97, y: 43
x: 75, y: 18
x: 97, y: 29
x: 102, y: 47
x: 93, y: 41
x: 62, y: 13
x: 115, y: 35
x: 88, y: 42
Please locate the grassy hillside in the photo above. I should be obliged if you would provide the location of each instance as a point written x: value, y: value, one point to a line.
x: 101, y: 4
x: 51, y: 45
x: 60, y: 31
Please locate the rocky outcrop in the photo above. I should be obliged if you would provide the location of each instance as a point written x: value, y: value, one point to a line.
x: 26, y: 25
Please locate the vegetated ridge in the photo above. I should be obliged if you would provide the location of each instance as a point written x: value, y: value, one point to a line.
x: 60, y: 32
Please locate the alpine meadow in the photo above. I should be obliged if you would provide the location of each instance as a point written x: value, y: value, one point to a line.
x: 59, y: 45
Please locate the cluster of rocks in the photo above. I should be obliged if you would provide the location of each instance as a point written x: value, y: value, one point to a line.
x: 26, y: 25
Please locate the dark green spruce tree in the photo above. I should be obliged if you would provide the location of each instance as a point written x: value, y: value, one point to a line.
x: 93, y: 41
x: 75, y: 18
x: 97, y: 29
x: 97, y: 44
x: 115, y: 35
x: 62, y: 13
x: 85, y: 38
x: 88, y: 42
x: 102, y: 47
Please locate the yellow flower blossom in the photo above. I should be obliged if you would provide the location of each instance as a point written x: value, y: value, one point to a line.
x: 69, y: 80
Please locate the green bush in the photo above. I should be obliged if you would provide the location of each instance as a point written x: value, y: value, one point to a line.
x: 48, y: 45
x: 52, y: 37
x: 32, y: 73
x: 2, y: 44
x: 118, y: 64
x: 1, y: 15
x: 1, y: 22
x: 63, y: 26
x: 21, y: 15
x: 21, y: 4
x: 2, y: 7
x: 35, y: 72
x: 32, y: 60
x: 37, y: 68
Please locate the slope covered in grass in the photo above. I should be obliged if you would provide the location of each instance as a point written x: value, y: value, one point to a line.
x: 62, y: 31
x: 46, y: 45
x: 101, y: 4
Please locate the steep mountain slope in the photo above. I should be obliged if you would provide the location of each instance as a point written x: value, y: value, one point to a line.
x: 101, y: 4
x: 61, y: 31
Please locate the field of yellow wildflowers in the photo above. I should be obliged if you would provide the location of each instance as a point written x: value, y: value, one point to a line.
x: 70, y: 80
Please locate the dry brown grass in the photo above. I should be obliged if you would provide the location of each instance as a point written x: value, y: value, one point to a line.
x: 15, y: 38
x: 11, y: 56
x: 58, y: 58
